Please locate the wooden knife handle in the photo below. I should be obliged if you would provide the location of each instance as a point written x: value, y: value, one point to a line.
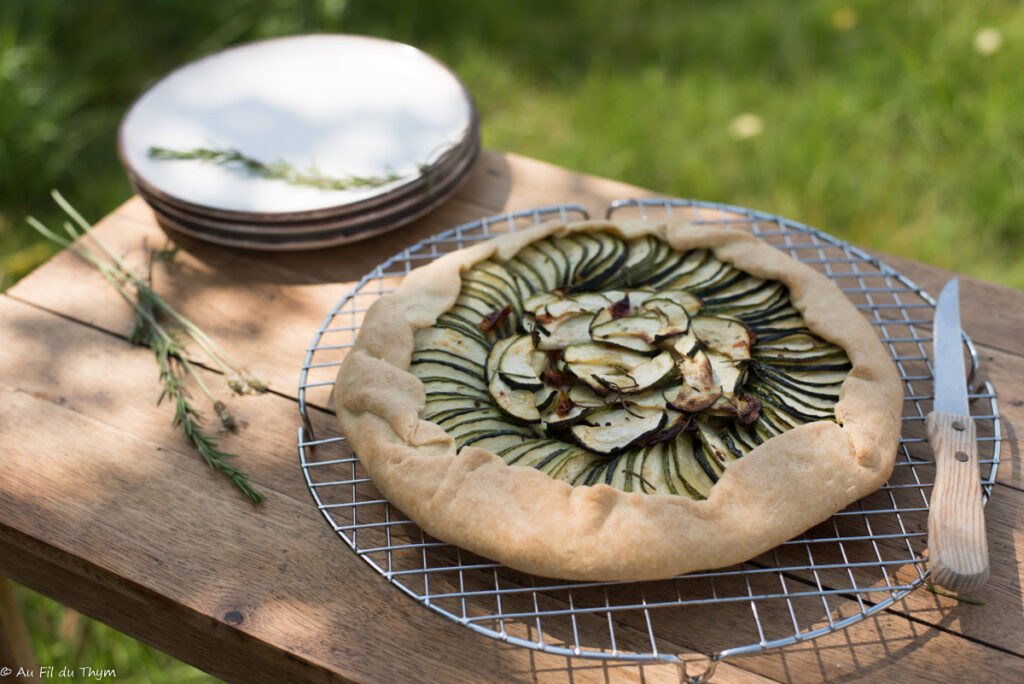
x: 957, y: 548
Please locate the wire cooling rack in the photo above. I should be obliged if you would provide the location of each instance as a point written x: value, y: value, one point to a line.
x: 862, y: 560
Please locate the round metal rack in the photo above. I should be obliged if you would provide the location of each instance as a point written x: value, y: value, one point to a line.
x: 856, y: 564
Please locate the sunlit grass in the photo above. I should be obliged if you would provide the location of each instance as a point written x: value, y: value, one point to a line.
x: 896, y: 125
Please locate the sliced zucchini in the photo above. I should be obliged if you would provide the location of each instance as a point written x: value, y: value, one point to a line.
x: 742, y: 409
x: 713, y: 445
x: 746, y: 439
x: 803, y: 402
x: 684, y: 346
x: 697, y: 371
x: 654, y: 470
x: 447, y: 358
x: 573, y: 329
x: 723, y: 277
x: 645, y: 328
x: 547, y: 262
x: 464, y: 427
x: 601, y: 379
x: 725, y: 372
x: 615, y: 430
x: 460, y: 325
x: 430, y: 372
x: 677, y: 270
x: 691, y: 399
x: 520, y: 364
x: 582, y: 395
x: 654, y: 398
x: 556, y: 421
x: 785, y: 409
x: 601, y: 355
x: 688, y: 475
x: 518, y: 403
x: 578, y: 303
x: 575, y: 255
x: 708, y: 464
x: 451, y: 341
x: 544, y: 398
x: 722, y: 282
x: 602, y: 330
x: 497, y: 277
x: 436, y: 415
x: 814, y: 360
x: 796, y: 342
x: 528, y: 273
x: 598, y: 339
x: 642, y: 256
x: 740, y: 290
x: 656, y: 372
x: 723, y: 334
x: 514, y: 451
x: 828, y: 379
x: 828, y: 393
x: 569, y: 464
x: 621, y: 472
x: 500, y: 441
x: 494, y: 356
x: 684, y: 298
x: 455, y: 419
x: 752, y: 302
x: 538, y: 453
x: 608, y: 257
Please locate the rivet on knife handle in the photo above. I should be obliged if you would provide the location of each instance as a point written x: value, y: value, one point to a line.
x: 958, y: 550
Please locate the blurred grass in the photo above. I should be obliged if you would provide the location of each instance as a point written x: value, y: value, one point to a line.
x: 888, y: 124
x: 63, y: 638
x: 894, y: 125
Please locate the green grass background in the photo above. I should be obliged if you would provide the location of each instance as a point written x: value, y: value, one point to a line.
x: 882, y: 122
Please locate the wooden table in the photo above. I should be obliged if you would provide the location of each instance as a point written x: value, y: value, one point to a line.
x: 103, y: 507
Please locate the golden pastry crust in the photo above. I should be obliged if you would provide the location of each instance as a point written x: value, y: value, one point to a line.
x: 526, y: 520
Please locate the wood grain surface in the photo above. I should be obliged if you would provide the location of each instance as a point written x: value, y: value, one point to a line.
x: 103, y: 507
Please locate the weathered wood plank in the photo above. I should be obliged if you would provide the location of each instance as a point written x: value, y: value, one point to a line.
x: 145, y: 548
x: 272, y: 572
x: 149, y: 524
x: 121, y: 468
x: 126, y: 520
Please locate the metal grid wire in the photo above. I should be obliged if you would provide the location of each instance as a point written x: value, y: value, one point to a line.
x: 860, y: 561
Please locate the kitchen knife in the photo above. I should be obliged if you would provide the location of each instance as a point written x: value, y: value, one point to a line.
x: 958, y: 551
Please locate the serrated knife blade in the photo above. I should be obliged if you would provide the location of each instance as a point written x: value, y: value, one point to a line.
x: 950, y: 377
x: 957, y: 547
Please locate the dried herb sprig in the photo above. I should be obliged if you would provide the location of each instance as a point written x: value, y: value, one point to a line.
x: 169, y: 356
x: 279, y: 170
x: 168, y: 349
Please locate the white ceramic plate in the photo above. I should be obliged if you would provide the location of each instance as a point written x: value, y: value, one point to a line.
x: 346, y: 105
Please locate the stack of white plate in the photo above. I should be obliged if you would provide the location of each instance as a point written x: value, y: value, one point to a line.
x: 316, y: 109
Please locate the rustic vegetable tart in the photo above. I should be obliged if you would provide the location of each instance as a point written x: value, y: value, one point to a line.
x: 630, y: 400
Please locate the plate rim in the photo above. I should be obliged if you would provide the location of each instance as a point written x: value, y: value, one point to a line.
x: 333, y: 238
x: 471, y: 135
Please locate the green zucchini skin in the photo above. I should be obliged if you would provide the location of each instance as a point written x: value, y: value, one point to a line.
x: 572, y: 356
